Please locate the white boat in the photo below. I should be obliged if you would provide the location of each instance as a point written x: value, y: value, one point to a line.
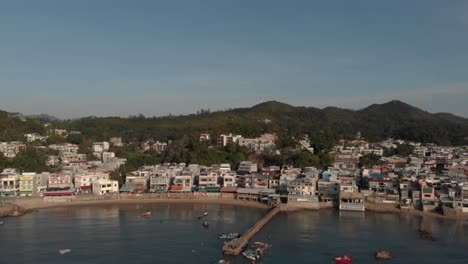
x: 64, y: 251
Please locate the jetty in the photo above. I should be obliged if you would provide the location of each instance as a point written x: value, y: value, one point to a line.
x: 235, y: 246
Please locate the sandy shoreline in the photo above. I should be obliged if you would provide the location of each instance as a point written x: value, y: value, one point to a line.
x: 36, y: 204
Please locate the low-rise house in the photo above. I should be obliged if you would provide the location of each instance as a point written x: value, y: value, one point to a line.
x: 26, y: 183
x: 159, y: 184
x: 352, y: 201
x: 101, y: 146
x: 247, y: 167
x: 224, y: 139
x: 9, y: 182
x: 59, y: 181
x: 139, y: 183
x: 107, y: 156
x: 302, y: 187
x: 183, y: 180
x: 84, y: 182
x: 65, y: 148
x: 101, y: 187
x: 229, y: 179
x: 328, y: 190
x: 34, y: 136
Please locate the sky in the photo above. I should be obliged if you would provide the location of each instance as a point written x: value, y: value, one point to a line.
x: 71, y: 58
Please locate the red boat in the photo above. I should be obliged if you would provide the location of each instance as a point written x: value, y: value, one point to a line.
x: 146, y: 214
x: 344, y: 259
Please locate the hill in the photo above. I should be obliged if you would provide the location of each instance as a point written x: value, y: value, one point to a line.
x: 13, y: 126
x: 378, y: 121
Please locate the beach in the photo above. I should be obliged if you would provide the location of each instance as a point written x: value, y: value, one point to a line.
x: 35, y: 203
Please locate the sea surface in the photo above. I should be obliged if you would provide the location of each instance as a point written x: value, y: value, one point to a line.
x: 118, y: 234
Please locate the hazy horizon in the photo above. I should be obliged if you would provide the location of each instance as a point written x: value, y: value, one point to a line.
x: 73, y: 59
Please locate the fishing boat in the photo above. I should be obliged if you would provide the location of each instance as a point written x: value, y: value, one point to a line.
x: 146, y: 214
x: 64, y: 251
x: 205, y: 224
x: 203, y: 215
x: 344, y: 259
x: 229, y: 236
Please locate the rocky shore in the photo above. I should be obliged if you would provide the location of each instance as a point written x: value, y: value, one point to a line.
x: 8, y: 209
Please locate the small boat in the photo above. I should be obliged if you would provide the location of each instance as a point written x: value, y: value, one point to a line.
x: 344, y: 259
x: 228, y: 236
x: 251, y: 254
x: 1, y: 222
x: 146, y: 214
x: 203, y: 215
x: 205, y: 224
x: 222, y: 262
x: 64, y: 251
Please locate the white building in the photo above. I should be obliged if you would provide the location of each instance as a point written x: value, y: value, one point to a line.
x: 85, y: 181
x: 34, y: 136
x: 106, y: 156
x: 105, y: 186
x: 247, y: 166
x: 223, y: 139
x: 208, y: 179
x: 229, y: 179
x: 101, y: 146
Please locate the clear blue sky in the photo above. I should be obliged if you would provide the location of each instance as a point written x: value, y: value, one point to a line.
x: 72, y: 58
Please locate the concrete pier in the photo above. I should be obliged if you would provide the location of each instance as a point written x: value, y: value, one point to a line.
x: 235, y: 246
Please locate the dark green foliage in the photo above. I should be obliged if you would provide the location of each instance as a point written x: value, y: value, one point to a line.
x: 402, y: 150
x: 13, y: 128
x: 29, y: 160
x: 369, y: 160
x: 54, y: 139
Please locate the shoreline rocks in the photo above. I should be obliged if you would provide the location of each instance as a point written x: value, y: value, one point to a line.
x: 11, y: 210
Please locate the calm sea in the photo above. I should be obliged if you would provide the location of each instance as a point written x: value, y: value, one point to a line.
x: 117, y: 234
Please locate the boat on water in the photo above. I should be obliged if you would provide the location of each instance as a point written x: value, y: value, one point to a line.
x: 146, y: 214
x: 344, y: 259
x: 251, y: 254
x: 205, y: 224
x: 203, y: 215
x: 64, y: 251
x: 222, y: 262
x: 229, y: 236
x: 1, y: 222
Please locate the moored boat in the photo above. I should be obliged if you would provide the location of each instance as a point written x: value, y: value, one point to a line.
x: 251, y: 254
x: 205, y: 224
x: 203, y: 215
x: 64, y: 251
x: 229, y: 236
x: 146, y: 214
x: 344, y: 259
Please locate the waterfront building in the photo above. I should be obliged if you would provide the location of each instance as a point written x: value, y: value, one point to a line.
x: 229, y: 179
x: 59, y: 181
x: 9, y: 182
x: 352, y: 201
x: 159, y: 184
x: 84, y: 182
x: 101, y: 187
x: 26, y: 183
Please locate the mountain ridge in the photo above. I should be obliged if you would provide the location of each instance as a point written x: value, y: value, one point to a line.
x: 395, y: 119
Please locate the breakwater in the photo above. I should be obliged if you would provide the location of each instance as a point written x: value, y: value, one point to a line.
x: 235, y: 246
